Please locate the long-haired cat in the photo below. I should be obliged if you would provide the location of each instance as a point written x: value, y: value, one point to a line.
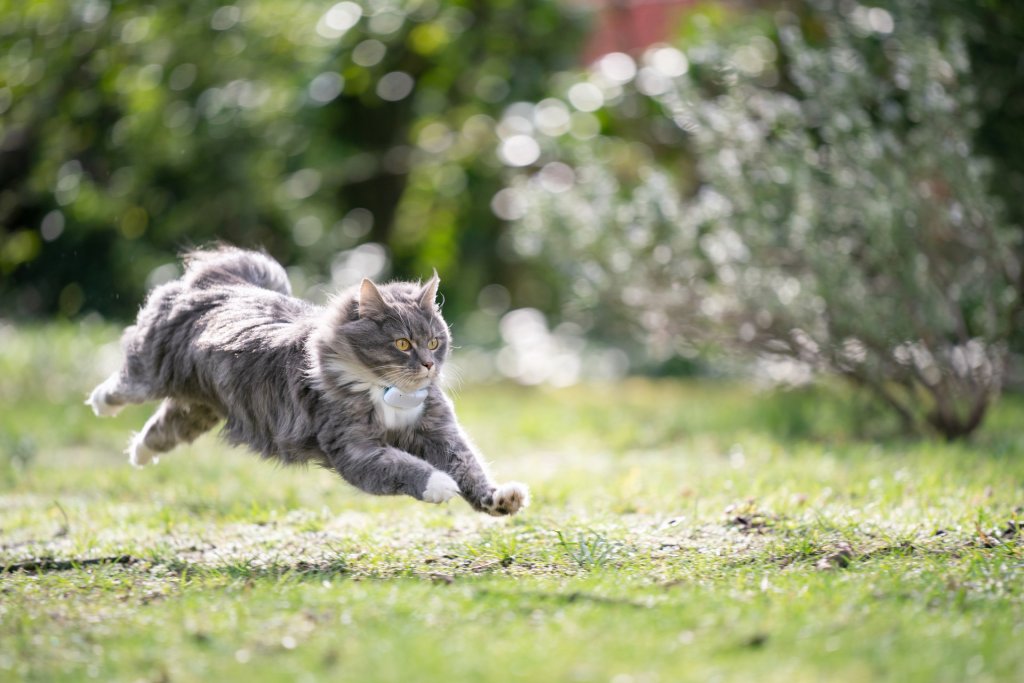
x: 352, y: 386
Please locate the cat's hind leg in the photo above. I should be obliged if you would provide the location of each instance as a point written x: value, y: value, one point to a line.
x: 174, y: 422
x: 117, y: 391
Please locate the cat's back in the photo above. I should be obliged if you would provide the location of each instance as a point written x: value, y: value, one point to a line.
x: 193, y: 339
x: 248, y: 318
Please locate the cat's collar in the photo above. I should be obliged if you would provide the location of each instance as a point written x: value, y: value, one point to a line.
x: 396, y: 398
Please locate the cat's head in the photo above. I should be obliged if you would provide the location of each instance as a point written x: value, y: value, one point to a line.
x: 393, y: 334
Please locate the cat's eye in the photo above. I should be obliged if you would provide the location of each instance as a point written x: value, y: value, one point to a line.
x: 433, y: 344
x: 403, y: 344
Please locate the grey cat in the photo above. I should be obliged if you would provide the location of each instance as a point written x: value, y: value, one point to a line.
x: 352, y: 386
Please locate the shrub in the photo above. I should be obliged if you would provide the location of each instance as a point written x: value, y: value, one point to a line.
x: 841, y: 220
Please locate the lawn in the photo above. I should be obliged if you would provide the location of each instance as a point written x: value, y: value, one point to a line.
x: 679, y: 531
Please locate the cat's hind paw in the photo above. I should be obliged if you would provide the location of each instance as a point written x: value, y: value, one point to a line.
x: 140, y: 455
x: 440, y: 488
x: 98, y: 402
x: 507, y: 499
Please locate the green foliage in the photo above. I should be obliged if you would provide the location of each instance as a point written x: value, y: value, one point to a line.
x: 840, y: 218
x: 131, y: 130
x: 994, y: 33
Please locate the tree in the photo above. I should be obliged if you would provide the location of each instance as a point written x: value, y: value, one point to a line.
x: 131, y: 130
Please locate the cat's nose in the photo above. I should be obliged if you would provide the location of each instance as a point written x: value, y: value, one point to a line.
x: 427, y: 364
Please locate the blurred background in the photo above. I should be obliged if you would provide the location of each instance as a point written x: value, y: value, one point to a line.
x: 780, y: 191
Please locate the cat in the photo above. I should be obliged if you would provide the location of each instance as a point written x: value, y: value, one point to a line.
x: 351, y: 386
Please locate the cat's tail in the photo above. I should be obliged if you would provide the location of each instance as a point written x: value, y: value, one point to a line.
x: 227, y: 265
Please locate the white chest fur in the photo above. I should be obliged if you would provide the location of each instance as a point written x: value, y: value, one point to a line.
x: 391, y: 416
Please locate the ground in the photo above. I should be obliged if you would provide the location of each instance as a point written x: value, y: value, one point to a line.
x: 679, y: 531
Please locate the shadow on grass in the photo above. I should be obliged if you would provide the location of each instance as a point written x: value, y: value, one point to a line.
x: 41, y: 565
x: 236, y: 570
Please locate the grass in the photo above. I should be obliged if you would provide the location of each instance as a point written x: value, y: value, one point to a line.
x: 680, y: 531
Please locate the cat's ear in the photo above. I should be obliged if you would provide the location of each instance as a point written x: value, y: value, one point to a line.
x: 428, y: 297
x: 370, y: 300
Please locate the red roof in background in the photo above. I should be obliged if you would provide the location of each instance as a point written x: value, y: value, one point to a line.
x: 631, y: 25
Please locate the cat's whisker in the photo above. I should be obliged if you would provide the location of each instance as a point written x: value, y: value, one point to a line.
x: 397, y: 376
x: 452, y: 378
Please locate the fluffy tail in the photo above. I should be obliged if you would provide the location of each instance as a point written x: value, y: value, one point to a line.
x: 226, y: 265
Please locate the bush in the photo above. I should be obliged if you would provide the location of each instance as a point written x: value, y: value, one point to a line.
x: 841, y: 221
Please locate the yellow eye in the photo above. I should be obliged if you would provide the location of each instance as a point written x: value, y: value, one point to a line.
x: 433, y: 344
x: 403, y: 344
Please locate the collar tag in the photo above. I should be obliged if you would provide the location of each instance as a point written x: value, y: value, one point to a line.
x: 396, y: 398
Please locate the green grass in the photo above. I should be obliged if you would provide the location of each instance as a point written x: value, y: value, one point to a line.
x: 679, y: 532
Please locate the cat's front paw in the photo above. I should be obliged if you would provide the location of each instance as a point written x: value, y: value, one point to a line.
x: 440, y: 487
x: 507, y: 499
